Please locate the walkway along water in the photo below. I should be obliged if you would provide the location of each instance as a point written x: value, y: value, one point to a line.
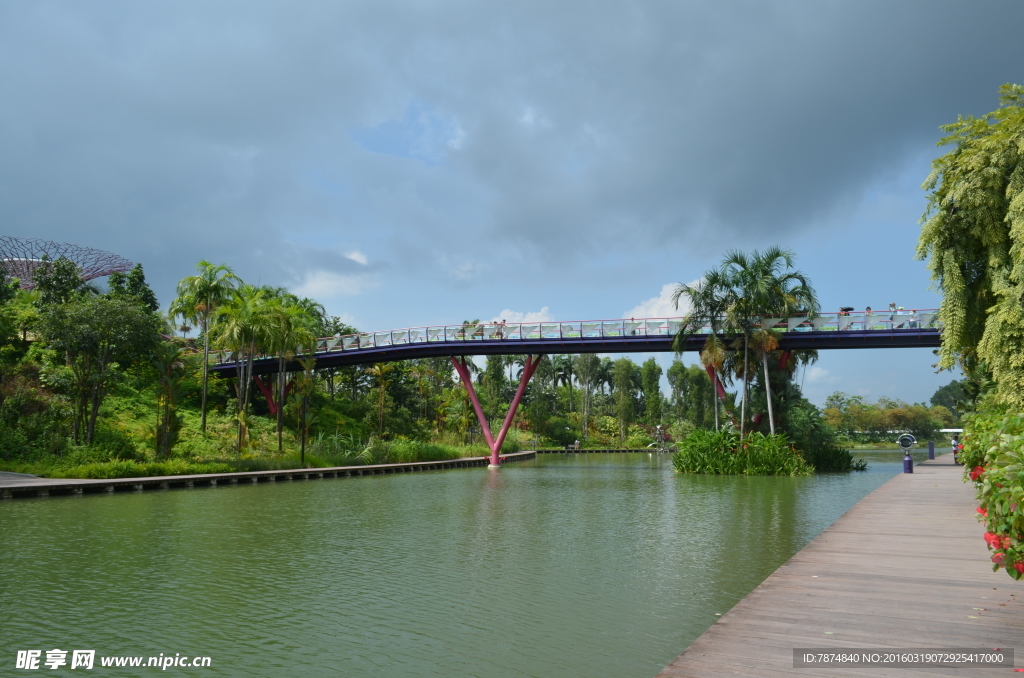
x: 14, y: 486
x: 904, y: 568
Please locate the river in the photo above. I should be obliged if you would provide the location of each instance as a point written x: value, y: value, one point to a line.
x: 571, y: 565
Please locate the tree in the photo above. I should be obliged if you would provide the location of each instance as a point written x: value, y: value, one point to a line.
x: 98, y: 336
x: 245, y: 325
x: 563, y: 365
x: 625, y: 408
x: 169, y: 362
x: 692, y: 394
x: 133, y: 285
x: 953, y: 396
x: 292, y: 325
x: 588, y: 372
x: 58, y: 282
x: 651, y: 380
x: 736, y: 297
x: 379, y: 374
x: 973, y: 238
x: 199, y: 297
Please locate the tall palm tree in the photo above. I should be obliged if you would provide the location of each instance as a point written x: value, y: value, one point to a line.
x: 588, y: 367
x: 564, y: 372
x: 290, y: 332
x: 379, y: 373
x: 198, y: 298
x: 245, y: 324
x: 779, y: 292
x: 732, y: 299
x: 709, y: 299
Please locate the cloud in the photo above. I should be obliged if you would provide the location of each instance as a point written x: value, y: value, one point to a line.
x: 660, y: 306
x: 819, y: 375
x: 508, y: 315
x: 357, y: 256
x: 441, y: 135
x: 320, y: 284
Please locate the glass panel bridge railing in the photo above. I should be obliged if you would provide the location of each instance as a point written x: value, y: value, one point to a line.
x: 600, y: 329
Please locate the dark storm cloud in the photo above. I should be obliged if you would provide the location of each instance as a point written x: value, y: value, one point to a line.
x: 169, y: 133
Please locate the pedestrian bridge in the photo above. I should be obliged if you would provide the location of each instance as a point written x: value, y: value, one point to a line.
x: 902, y: 329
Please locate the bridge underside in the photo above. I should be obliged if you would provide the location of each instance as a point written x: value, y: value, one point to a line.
x: 816, y: 340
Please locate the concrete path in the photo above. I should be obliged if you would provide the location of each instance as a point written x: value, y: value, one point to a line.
x: 904, y: 568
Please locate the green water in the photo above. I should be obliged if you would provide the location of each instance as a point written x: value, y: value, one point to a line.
x: 572, y: 565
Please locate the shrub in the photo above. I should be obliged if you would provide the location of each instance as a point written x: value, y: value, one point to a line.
x: 132, y: 469
x: 830, y: 458
x: 721, y: 453
x: 993, y: 457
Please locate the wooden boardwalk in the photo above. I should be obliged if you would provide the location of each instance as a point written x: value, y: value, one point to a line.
x: 18, y: 486
x: 904, y: 568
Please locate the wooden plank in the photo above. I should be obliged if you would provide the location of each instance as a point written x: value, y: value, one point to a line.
x: 906, y: 567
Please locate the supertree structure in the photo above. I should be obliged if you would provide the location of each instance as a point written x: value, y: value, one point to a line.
x: 22, y: 256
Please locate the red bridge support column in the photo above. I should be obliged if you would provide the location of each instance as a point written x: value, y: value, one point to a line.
x: 492, y: 443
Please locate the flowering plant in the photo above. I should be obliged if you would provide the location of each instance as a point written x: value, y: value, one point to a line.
x: 994, y: 453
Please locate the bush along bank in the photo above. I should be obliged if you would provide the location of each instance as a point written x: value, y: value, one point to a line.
x: 993, y: 455
x: 722, y: 453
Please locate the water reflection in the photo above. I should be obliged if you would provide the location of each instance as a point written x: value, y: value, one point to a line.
x: 590, y: 564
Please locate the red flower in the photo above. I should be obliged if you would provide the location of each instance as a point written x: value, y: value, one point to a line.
x: 1019, y: 567
x: 976, y: 472
x: 982, y: 511
x: 998, y: 558
x: 996, y: 541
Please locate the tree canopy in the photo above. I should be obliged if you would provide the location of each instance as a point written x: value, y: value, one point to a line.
x: 973, y: 239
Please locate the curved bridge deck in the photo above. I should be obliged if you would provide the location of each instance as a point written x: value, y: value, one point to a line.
x: 904, y: 568
x: 904, y: 329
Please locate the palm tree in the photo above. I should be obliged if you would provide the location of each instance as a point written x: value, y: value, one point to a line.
x: 290, y: 333
x: 563, y: 373
x: 588, y: 367
x: 779, y: 293
x: 708, y: 298
x: 606, y: 375
x: 245, y: 325
x: 379, y: 372
x: 733, y: 298
x: 198, y: 298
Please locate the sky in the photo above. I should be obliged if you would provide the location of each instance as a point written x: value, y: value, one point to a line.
x: 422, y: 163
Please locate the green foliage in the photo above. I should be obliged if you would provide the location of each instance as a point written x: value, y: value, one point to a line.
x: 973, y: 238
x: 692, y: 395
x: 731, y: 300
x: 134, y: 469
x: 132, y: 286
x: 57, y: 282
x: 650, y: 378
x: 830, y: 458
x: 169, y: 364
x: 625, y: 407
x: 722, y: 453
x: 955, y: 396
x: 860, y: 421
x: 994, y: 460
x: 98, y: 337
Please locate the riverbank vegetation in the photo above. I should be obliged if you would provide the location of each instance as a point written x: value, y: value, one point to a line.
x: 859, y: 422
x: 973, y: 239
x: 773, y: 423
x: 99, y: 383
x: 723, y: 453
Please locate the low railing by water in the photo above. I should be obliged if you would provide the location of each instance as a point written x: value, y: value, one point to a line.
x: 599, y: 329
